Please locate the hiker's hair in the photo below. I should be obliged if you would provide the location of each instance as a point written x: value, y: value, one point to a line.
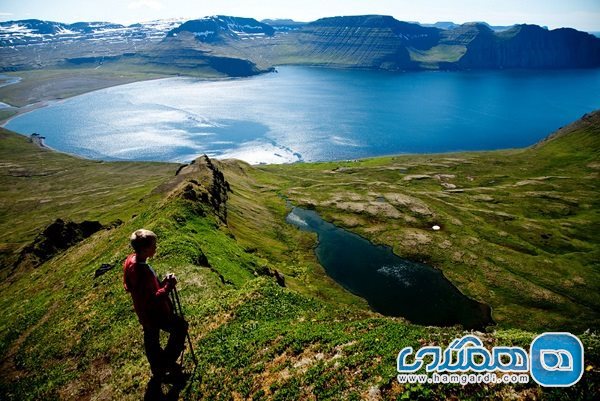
x: 141, y: 239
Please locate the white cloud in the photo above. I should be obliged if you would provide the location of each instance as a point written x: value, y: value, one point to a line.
x: 152, y: 4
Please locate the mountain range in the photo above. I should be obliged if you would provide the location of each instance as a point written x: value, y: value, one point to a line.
x: 366, y: 41
x: 29, y: 32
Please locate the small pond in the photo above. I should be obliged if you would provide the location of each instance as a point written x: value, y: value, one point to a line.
x: 393, y: 286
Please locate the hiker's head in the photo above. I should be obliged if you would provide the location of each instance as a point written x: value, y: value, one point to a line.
x: 143, y: 242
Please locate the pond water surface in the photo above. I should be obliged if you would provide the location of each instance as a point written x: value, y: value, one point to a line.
x: 393, y: 286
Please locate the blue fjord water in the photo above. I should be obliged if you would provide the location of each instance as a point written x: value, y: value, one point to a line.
x: 311, y: 114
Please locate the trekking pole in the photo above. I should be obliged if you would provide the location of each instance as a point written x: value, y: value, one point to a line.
x: 178, y: 306
x: 177, y: 313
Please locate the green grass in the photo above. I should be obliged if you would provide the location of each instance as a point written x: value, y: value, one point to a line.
x: 437, y: 54
x: 7, y: 113
x: 66, y: 335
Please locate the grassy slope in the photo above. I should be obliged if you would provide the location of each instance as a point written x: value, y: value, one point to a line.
x: 39, y: 185
x: 65, y: 335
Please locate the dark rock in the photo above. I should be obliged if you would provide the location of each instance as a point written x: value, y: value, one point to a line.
x: 57, y: 237
x: 181, y: 166
x: 525, y: 46
x: 104, y: 267
x: 280, y: 278
x: 201, y: 260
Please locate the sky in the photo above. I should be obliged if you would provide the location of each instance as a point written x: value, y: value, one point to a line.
x: 580, y: 14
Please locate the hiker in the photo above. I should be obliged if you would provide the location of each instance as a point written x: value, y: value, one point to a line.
x: 153, y: 306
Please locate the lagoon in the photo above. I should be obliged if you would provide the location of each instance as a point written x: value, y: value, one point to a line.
x: 315, y: 114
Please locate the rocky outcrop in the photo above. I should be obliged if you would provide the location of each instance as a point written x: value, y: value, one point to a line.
x: 57, y: 237
x: 589, y: 122
x: 202, y: 181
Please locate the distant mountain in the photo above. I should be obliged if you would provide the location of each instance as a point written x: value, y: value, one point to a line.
x: 284, y: 24
x: 29, y: 32
x: 452, y: 25
x: 524, y: 46
x: 220, y: 27
x: 372, y: 41
x: 440, y: 25
x: 375, y: 41
x: 34, y: 27
x: 35, y: 44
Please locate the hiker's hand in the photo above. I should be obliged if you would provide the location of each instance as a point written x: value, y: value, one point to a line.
x: 171, y: 279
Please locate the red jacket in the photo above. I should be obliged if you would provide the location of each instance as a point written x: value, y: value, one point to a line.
x: 150, y: 297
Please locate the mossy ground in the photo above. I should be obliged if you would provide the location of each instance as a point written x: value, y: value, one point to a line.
x: 66, y: 335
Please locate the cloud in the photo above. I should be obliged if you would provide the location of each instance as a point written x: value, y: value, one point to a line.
x: 153, y: 4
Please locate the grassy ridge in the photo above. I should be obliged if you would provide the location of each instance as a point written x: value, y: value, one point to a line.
x: 64, y: 334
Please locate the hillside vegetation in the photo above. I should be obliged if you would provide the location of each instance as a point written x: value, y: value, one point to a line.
x: 517, y: 233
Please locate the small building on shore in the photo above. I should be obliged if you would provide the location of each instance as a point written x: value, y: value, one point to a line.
x: 37, y: 139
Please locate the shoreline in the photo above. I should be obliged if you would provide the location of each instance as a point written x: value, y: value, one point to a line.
x: 44, y: 102
x: 26, y: 109
x: 104, y: 83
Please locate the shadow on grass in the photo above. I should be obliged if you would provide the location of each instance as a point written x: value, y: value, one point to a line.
x: 157, y: 391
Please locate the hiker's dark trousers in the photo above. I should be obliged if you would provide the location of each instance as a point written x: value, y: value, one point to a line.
x: 162, y: 360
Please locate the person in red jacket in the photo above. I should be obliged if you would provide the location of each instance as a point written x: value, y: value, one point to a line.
x: 153, y: 306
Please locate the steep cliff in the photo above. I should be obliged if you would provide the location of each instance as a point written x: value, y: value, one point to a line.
x: 525, y: 46
x: 367, y: 41
x: 376, y: 41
